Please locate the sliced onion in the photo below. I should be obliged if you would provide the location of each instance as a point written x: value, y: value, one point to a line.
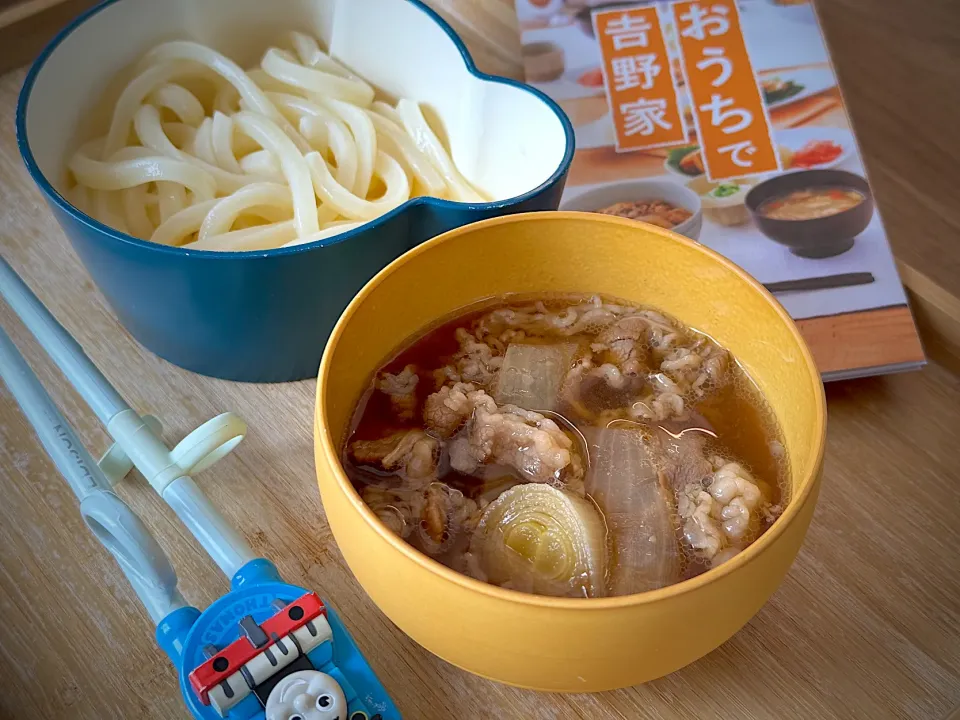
x: 531, y: 375
x: 536, y: 538
x: 626, y: 486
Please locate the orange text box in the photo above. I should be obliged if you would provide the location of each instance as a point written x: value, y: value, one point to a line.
x: 636, y: 74
x: 728, y: 106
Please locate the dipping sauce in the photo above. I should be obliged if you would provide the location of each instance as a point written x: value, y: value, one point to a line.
x: 811, y: 203
x: 568, y: 445
x: 655, y: 212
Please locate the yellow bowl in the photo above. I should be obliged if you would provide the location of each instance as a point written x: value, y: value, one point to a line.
x: 565, y: 644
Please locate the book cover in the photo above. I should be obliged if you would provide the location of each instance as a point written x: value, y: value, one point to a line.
x: 723, y: 120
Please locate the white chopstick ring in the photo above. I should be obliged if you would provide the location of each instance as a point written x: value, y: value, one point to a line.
x: 203, y: 447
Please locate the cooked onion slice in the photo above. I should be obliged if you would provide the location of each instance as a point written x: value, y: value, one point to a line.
x: 536, y: 538
x: 626, y: 486
x: 531, y: 375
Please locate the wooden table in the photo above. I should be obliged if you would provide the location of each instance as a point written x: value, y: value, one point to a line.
x: 866, y: 625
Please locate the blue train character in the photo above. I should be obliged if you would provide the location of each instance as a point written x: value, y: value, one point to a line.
x: 270, y: 651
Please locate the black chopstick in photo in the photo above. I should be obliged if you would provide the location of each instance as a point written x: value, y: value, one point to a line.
x: 821, y: 283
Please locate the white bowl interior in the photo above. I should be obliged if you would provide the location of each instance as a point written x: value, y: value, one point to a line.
x: 503, y: 139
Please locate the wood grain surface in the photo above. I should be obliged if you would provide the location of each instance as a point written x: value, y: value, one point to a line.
x: 897, y: 63
x: 850, y: 342
x: 866, y: 625
x: 26, y: 25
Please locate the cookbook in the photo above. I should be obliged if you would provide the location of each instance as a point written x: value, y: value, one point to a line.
x: 723, y: 120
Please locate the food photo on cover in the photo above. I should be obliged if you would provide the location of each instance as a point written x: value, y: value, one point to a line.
x: 725, y: 122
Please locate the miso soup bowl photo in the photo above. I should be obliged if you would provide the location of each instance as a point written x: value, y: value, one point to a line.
x: 264, y: 315
x: 567, y: 644
x: 820, y: 236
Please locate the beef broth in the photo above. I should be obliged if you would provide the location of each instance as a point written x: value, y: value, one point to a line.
x: 591, y: 385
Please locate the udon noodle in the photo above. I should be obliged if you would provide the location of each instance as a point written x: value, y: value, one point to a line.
x: 205, y: 155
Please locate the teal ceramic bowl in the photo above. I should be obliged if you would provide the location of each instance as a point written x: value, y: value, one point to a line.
x: 265, y: 316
